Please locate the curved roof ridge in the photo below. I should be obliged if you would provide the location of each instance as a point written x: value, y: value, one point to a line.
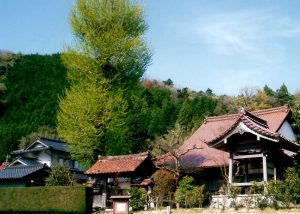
x: 271, y: 110
x: 229, y: 129
x: 221, y: 117
x: 138, y: 155
x: 255, y: 119
x: 260, y: 129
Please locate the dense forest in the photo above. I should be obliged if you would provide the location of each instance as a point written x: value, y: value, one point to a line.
x: 32, y: 85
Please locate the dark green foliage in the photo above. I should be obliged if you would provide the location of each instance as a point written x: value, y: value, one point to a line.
x: 151, y: 112
x: 193, y: 111
x: 189, y: 195
x: 33, y: 85
x: 60, y: 176
x: 285, y: 192
x: 268, y: 91
x: 283, y: 96
x: 46, y: 200
x: 168, y: 82
x: 138, y: 198
x: 296, y: 119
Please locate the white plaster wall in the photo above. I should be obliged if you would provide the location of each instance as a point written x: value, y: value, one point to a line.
x: 287, y: 131
x: 44, y: 158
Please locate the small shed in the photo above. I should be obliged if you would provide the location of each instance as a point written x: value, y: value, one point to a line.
x: 114, y: 175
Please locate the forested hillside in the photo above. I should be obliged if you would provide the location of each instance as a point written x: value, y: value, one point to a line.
x: 30, y: 91
x: 31, y: 86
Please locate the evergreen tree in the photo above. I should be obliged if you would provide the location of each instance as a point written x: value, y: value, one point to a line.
x: 283, y: 96
x: 268, y: 91
x: 33, y: 85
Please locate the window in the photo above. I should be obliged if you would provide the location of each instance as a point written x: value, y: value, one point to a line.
x: 60, y: 161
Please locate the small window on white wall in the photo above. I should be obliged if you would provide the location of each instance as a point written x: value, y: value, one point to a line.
x: 61, y: 161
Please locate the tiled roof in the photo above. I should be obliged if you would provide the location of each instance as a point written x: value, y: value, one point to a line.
x: 48, y: 144
x: 265, y: 122
x: 118, y: 164
x: 19, y: 171
x: 201, y: 156
x: 54, y: 144
x: 214, y: 127
x: 25, y: 161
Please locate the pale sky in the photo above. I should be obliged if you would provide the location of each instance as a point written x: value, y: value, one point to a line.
x: 224, y: 45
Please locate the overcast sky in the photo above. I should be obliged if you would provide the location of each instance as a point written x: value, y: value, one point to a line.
x: 224, y: 45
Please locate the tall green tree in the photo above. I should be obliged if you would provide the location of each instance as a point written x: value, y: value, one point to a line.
x: 89, y: 115
x: 283, y: 96
x: 109, y: 33
x: 105, y: 66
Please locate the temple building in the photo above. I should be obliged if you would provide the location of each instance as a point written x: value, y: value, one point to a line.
x: 245, y: 147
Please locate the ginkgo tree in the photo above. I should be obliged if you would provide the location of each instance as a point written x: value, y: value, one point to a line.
x: 106, y: 62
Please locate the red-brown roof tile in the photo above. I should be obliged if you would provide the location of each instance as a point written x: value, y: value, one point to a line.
x: 266, y: 122
x: 3, y: 165
x: 118, y: 164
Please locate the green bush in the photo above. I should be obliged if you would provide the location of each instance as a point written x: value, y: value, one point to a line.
x: 46, y: 199
x: 138, y: 198
x: 189, y: 195
x: 60, y: 176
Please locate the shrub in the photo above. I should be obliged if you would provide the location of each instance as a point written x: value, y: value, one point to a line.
x: 60, y: 176
x: 188, y: 194
x: 164, y: 186
x: 138, y: 198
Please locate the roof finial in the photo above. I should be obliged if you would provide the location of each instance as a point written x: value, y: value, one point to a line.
x: 242, y: 110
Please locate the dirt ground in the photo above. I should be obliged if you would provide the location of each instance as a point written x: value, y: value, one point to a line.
x: 227, y: 211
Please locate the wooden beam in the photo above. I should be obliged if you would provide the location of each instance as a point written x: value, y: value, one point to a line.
x: 230, y: 169
x: 242, y: 184
x: 265, y: 171
x: 236, y: 157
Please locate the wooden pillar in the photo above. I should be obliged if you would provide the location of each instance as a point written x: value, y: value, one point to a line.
x: 230, y: 169
x: 246, y: 170
x: 265, y: 168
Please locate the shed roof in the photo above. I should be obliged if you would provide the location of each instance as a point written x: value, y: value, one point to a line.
x: 118, y: 164
x: 20, y: 171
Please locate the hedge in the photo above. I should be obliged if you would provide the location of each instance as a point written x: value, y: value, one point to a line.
x: 56, y: 199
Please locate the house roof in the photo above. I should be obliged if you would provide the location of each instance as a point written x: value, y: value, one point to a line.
x: 25, y: 161
x: 3, y: 165
x: 264, y: 122
x: 20, y: 171
x: 118, y: 164
x: 42, y: 143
